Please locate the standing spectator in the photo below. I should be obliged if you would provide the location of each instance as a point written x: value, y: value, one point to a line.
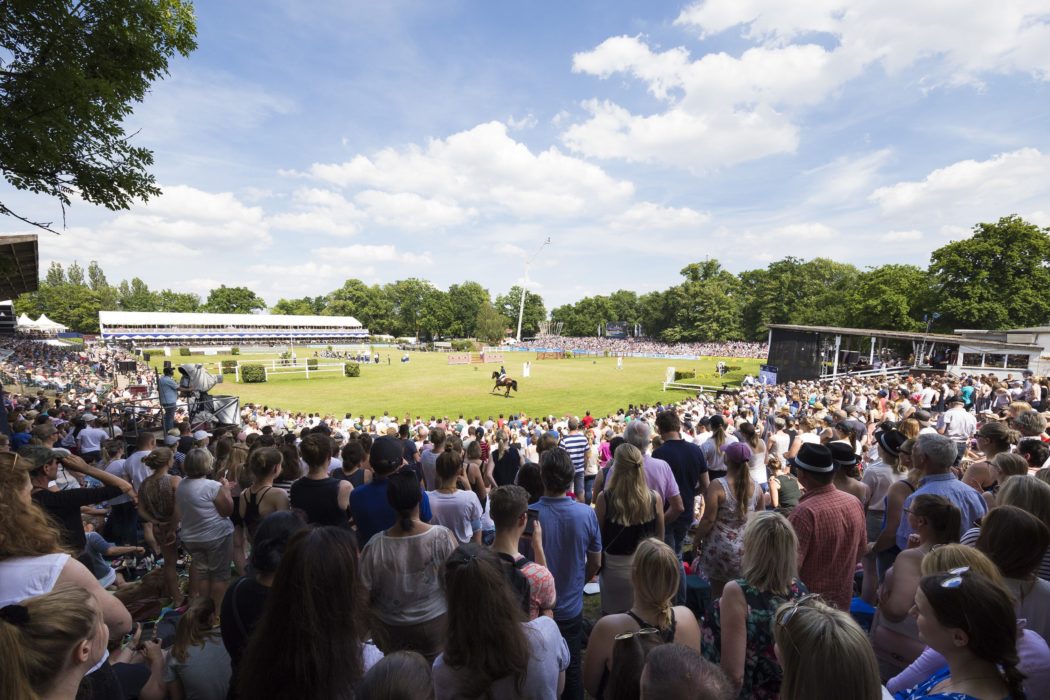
x: 160, y: 516
x: 830, y: 528
x: 689, y: 468
x: 403, y: 675
x: 739, y: 635
x: 678, y: 671
x: 369, y: 506
x: 401, y: 569
x: 729, y: 501
x: 207, y: 533
x: 573, y: 544
x: 575, y: 443
x: 658, y: 474
x: 90, y: 439
x: 262, y: 498
x: 429, y: 457
x: 316, y: 648
x: 957, y: 424
x: 628, y: 513
x: 168, y: 390
x: 510, y: 506
x: 491, y: 651
x: 713, y: 445
x: 880, y: 475
x: 458, y: 510
x: 504, y: 462
x: 122, y: 524
x: 934, y: 455
x: 324, y: 500
x: 992, y: 438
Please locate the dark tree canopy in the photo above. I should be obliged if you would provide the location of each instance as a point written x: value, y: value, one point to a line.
x: 70, y: 74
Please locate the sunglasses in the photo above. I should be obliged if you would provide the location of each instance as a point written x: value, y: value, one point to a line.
x: 645, y: 631
x: 956, y: 578
x: 786, y: 613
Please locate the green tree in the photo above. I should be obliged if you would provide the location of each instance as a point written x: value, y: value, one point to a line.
x: 706, y: 306
x: 890, y: 297
x: 75, y: 275
x: 178, y: 302
x: 55, y: 275
x: 998, y: 278
x: 795, y: 291
x: 413, y: 305
x: 368, y: 304
x: 70, y: 75
x: 233, y: 300
x: 306, y: 306
x: 465, y: 304
x: 136, y: 296
x: 508, y: 304
x: 490, y: 325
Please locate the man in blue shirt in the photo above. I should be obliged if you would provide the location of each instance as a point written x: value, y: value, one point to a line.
x: 168, y: 389
x: 369, y: 507
x: 572, y: 542
x: 934, y: 455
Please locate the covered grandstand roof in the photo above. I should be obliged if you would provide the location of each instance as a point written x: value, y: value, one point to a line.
x: 907, y: 335
x: 136, y: 319
x: 19, y: 265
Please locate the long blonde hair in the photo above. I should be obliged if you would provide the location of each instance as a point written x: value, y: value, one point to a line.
x: 195, y: 629
x: 627, y: 498
x: 770, y: 561
x: 25, y: 530
x: 31, y: 649
x: 655, y: 574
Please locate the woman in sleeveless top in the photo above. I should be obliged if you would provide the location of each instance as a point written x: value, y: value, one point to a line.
x: 655, y: 576
x: 885, y: 549
x: 262, y: 498
x: 324, y: 500
x: 157, y: 508
x: 504, y: 462
x: 729, y: 501
x: 627, y: 514
x: 739, y: 635
x: 784, y: 490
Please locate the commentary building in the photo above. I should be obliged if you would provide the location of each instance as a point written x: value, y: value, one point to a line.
x: 162, y: 328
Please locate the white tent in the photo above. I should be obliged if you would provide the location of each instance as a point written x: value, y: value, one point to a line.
x: 25, y: 322
x: 48, y: 326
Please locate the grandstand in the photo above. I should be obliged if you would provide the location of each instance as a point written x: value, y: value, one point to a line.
x: 148, y: 327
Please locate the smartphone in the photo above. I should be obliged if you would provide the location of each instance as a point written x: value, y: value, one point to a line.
x: 530, y: 524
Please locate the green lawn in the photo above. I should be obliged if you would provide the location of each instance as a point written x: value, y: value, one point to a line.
x: 429, y: 386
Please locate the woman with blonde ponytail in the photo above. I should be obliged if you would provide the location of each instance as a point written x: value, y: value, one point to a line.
x: 655, y: 576
x: 728, y: 502
x: 49, y: 643
x: 628, y: 512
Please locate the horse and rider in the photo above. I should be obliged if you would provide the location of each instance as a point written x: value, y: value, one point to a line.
x: 503, y: 381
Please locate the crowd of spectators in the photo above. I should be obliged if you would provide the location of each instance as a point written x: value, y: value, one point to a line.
x: 859, y: 538
x: 644, y: 346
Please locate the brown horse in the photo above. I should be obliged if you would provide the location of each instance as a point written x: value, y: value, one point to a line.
x: 505, y: 382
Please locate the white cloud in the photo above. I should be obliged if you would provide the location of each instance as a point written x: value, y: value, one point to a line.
x: 722, y: 109
x: 410, y: 212
x: 845, y: 179
x: 526, y: 122
x: 805, y: 232
x: 646, y: 216
x: 1001, y: 181
x: 901, y: 236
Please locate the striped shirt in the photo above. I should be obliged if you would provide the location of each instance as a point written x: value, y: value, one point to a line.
x: 576, y: 445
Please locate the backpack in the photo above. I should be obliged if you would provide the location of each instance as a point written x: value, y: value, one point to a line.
x: 517, y: 580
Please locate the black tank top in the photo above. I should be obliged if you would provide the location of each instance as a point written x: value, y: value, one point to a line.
x: 319, y: 501
x: 506, y: 467
x: 251, y: 518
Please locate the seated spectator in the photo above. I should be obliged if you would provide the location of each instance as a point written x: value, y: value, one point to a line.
x: 678, y: 671
x: 458, y: 510
x: 322, y: 499
x: 969, y: 620
x: 49, y: 643
x: 739, y: 634
x: 490, y: 649
x: 309, y: 641
x: 98, y: 553
x: 401, y: 569
x: 198, y: 666
x: 824, y: 653
x: 1015, y: 541
x: 261, y: 498
x: 509, y: 505
x: 656, y: 573
x: 628, y: 512
x: 1032, y: 649
x: 243, y: 604
x: 403, y: 675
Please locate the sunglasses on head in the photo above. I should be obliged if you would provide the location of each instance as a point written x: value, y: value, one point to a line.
x: 956, y: 578
x: 786, y: 613
x: 645, y: 631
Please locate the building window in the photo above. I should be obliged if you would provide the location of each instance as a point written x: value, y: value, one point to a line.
x: 994, y: 360
x: 971, y: 359
x: 1017, y: 361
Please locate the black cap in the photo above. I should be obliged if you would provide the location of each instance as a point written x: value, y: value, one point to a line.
x: 386, y: 453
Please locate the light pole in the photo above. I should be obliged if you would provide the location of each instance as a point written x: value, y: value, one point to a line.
x: 930, y: 318
x: 525, y: 284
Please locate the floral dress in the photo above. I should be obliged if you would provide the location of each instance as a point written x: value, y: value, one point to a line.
x: 762, y: 673
x: 922, y: 690
x: 723, y: 547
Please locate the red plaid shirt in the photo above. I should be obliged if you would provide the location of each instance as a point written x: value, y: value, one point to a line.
x: 832, y: 538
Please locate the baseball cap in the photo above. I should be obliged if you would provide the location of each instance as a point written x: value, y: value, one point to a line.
x: 171, y: 440
x: 201, y: 435
x: 386, y: 452
x: 38, y: 455
x: 738, y: 452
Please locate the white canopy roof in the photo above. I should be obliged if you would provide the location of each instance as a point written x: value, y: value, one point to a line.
x: 25, y: 322
x: 45, y: 324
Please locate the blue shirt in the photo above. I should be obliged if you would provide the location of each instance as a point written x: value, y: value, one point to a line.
x: 169, y: 391
x: 570, y: 531
x: 372, y: 513
x: 963, y: 497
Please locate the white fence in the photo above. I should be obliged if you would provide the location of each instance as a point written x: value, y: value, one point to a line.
x: 273, y: 368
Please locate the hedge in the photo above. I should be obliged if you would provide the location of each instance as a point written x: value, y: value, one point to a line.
x: 568, y: 354
x: 235, y: 351
x: 229, y: 366
x: 253, y: 374
x: 463, y: 345
x: 352, y: 369
x: 311, y: 363
x: 185, y: 352
x: 685, y: 374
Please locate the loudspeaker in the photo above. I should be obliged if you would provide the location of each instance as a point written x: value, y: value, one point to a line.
x: 127, y: 367
x: 167, y: 364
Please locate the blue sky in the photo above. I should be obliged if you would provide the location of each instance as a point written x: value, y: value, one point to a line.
x: 307, y: 142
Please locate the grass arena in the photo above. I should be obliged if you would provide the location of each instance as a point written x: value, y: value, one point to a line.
x: 427, y: 385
